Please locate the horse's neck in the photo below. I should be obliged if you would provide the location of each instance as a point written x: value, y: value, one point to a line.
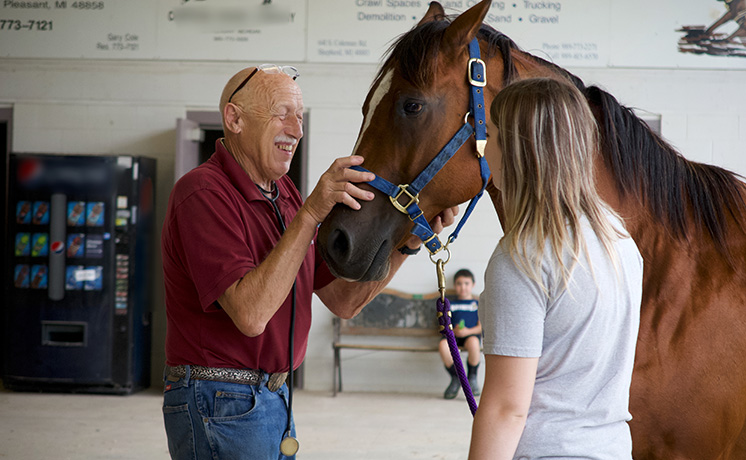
x: 497, y: 202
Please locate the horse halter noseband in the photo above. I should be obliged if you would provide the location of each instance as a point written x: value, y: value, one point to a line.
x: 476, y: 72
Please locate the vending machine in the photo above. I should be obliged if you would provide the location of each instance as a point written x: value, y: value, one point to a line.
x: 80, y: 241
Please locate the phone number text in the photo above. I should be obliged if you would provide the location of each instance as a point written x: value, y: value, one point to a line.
x: 31, y: 24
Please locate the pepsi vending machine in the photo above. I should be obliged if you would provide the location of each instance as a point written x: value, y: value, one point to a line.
x: 81, y: 237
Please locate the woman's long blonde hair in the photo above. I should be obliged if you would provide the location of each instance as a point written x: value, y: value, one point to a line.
x: 548, y: 137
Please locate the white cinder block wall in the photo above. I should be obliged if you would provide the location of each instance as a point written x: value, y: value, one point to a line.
x: 131, y: 107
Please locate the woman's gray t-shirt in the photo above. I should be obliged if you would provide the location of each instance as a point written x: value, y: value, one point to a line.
x: 585, y: 339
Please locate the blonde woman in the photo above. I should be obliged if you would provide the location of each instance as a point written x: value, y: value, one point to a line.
x: 561, y: 306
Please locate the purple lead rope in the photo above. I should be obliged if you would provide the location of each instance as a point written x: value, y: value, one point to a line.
x: 444, y: 319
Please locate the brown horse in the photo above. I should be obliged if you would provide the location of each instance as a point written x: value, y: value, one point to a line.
x: 688, y: 395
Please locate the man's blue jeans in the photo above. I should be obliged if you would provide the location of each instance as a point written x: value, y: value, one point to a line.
x: 215, y: 420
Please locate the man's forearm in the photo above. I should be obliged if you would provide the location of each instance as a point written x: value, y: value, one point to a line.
x: 255, y: 298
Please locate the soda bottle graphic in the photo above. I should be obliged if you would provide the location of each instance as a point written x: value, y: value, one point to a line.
x: 41, y: 210
x: 74, y: 246
x: 40, y: 244
x: 74, y: 281
x: 22, y: 212
x: 94, y: 212
x: 74, y: 213
x: 21, y: 279
x: 23, y: 243
x: 36, y: 283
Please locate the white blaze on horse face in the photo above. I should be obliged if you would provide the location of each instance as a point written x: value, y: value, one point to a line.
x: 383, y: 88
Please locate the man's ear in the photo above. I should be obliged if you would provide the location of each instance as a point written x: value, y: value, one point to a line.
x: 232, y: 118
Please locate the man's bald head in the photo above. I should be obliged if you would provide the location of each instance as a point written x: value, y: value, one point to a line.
x: 260, y: 89
x: 233, y: 83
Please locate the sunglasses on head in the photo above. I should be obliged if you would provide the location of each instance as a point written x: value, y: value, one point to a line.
x: 271, y: 69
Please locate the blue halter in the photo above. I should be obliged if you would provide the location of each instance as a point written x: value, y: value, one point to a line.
x: 476, y: 72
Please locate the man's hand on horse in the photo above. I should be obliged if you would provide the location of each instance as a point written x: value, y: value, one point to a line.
x: 438, y: 223
x: 337, y: 185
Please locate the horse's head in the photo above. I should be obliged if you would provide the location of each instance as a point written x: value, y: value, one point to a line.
x: 419, y: 99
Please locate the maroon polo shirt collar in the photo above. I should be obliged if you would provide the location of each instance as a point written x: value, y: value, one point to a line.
x: 238, y: 177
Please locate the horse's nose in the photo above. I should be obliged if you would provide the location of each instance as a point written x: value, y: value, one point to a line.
x: 338, y: 246
x: 355, y: 244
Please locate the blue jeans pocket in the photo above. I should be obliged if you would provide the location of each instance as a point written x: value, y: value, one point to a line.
x: 179, y: 432
x: 231, y: 404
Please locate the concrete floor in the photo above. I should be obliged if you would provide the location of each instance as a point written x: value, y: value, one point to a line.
x: 352, y: 426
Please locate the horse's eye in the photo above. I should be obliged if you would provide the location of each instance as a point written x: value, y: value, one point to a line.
x: 413, y: 107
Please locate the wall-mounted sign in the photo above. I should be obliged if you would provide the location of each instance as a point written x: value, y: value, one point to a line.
x: 232, y: 30
x: 362, y: 30
x: 672, y: 33
x: 580, y: 33
x: 249, y: 30
x: 78, y: 29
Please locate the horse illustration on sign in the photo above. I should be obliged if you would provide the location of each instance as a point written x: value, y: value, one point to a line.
x: 699, y: 40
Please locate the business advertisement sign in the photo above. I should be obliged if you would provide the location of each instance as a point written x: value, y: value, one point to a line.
x: 145, y: 29
x: 362, y: 30
x: 100, y: 29
x: 676, y: 34
x: 580, y: 33
x: 232, y: 30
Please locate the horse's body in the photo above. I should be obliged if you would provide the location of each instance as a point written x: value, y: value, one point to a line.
x: 688, y: 395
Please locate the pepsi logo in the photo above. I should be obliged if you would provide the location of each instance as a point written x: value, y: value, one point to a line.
x: 57, y: 247
x: 29, y: 170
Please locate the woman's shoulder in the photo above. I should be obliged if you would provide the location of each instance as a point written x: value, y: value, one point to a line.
x: 504, y: 261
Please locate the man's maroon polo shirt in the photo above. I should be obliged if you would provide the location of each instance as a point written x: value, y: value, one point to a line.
x: 218, y: 227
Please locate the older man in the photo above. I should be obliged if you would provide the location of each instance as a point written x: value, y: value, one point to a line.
x: 240, y: 268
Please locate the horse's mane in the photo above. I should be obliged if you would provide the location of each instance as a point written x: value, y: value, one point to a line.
x: 643, y: 164
x: 649, y: 168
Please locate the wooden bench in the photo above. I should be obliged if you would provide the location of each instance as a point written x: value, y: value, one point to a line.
x: 392, y: 321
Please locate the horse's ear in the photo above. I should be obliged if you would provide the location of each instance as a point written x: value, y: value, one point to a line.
x: 465, y: 27
x: 434, y: 13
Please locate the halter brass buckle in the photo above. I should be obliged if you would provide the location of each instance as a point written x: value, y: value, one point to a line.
x: 427, y: 242
x: 481, y: 145
x: 480, y: 83
x: 412, y: 199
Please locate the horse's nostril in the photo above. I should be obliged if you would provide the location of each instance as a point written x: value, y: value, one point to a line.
x: 340, y: 245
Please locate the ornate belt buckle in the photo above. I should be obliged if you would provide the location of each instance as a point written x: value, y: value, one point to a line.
x: 276, y: 380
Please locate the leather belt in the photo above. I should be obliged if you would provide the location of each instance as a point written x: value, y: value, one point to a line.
x: 227, y: 374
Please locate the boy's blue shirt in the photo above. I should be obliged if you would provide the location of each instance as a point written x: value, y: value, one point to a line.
x: 465, y: 310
